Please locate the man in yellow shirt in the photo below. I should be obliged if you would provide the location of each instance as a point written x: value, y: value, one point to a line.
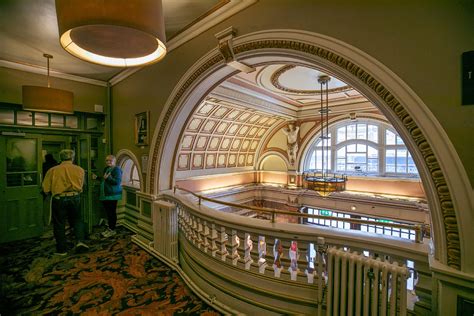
x: 65, y: 183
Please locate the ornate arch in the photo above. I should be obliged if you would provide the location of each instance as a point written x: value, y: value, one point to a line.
x: 124, y: 154
x: 381, y: 86
x: 267, y: 154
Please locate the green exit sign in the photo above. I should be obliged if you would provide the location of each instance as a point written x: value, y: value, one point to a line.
x: 325, y: 213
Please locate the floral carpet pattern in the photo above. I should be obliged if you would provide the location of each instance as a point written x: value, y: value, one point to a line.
x: 114, y: 277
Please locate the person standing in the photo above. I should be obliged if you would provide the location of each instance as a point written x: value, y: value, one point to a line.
x: 64, y: 182
x: 49, y: 162
x: 111, y: 193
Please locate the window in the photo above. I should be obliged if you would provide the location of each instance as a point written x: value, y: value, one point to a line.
x: 130, y: 175
x: 397, y: 157
x: 365, y: 147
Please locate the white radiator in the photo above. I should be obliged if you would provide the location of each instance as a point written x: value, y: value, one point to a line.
x: 165, y: 229
x: 358, y: 285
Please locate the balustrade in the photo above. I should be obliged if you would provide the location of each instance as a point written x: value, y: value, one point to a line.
x: 290, y: 253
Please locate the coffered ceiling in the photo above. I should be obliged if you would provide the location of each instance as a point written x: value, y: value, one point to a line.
x: 222, y: 135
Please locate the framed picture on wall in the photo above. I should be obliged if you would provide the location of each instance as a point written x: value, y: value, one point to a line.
x: 142, y: 122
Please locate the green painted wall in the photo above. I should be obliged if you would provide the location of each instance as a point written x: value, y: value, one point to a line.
x: 85, y: 95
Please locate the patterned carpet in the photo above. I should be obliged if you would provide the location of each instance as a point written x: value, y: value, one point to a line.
x: 114, y: 277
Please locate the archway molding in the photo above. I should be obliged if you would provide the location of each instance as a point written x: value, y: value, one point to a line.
x: 444, y: 178
x: 124, y: 154
x: 268, y: 154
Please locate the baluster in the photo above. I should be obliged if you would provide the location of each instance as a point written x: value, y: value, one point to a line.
x: 196, y: 230
x: 205, y: 235
x: 191, y: 230
x: 180, y: 215
x: 188, y: 226
x: 320, y: 260
x: 293, y: 253
x: 310, y: 256
x: 214, y: 240
x: 199, y: 233
x: 262, y: 253
x: 277, y: 255
x: 235, y: 243
x: 185, y: 222
x: 248, y: 246
x: 224, y: 238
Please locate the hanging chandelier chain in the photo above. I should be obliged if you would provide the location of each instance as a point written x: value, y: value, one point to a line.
x: 327, y: 126
x: 324, y: 112
x: 322, y: 129
x: 48, y: 57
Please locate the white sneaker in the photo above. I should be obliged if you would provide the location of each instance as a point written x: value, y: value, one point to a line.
x: 105, y: 233
x: 81, y: 247
x: 109, y: 233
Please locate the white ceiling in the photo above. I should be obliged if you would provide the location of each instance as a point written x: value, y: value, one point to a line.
x: 29, y: 29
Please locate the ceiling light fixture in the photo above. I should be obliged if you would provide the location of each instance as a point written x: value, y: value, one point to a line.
x: 324, y: 183
x: 47, y: 99
x: 118, y: 33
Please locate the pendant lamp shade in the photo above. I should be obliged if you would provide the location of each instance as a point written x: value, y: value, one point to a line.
x: 47, y: 99
x: 117, y: 33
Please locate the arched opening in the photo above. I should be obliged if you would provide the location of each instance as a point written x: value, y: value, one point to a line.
x: 273, y: 163
x: 378, y: 84
x: 131, y: 171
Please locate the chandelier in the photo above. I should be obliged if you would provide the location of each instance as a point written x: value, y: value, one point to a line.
x: 47, y: 99
x: 323, y: 182
x: 117, y: 33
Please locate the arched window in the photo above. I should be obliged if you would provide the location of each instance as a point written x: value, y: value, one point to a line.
x: 130, y: 175
x: 366, y: 147
x: 397, y: 158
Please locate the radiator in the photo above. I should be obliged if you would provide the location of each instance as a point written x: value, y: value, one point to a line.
x: 359, y: 285
x: 165, y: 229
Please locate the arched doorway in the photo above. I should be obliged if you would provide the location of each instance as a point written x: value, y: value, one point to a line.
x: 446, y: 192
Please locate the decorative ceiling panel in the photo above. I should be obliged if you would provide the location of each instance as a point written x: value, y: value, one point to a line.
x: 223, y: 135
x: 292, y: 85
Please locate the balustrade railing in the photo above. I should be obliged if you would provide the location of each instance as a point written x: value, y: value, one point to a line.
x: 292, y: 255
x: 419, y: 229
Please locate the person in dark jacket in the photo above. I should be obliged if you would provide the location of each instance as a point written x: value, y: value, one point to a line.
x: 49, y: 162
x: 111, y: 193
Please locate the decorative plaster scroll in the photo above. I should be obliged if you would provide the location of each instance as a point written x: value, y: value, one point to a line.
x: 436, y: 174
x: 225, y: 48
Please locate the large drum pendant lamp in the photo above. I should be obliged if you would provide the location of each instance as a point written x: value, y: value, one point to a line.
x: 47, y: 99
x: 117, y: 33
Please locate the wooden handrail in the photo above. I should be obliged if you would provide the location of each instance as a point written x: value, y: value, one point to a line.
x: 418, y: 228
